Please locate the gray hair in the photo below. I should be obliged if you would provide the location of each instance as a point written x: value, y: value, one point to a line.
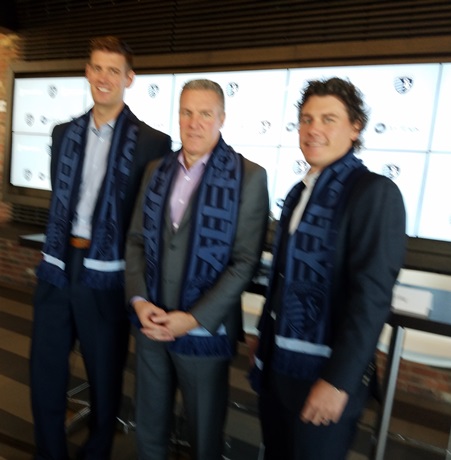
x: 204, y: 84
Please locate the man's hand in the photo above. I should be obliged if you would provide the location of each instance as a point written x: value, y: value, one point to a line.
x: 324, y: 404
x: 148, y: 313
x: 177, y: 322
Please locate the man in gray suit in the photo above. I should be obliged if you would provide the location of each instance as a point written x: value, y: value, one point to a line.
x: 194, y: 244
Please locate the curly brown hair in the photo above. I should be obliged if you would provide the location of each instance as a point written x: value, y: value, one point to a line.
x: 348, y: 94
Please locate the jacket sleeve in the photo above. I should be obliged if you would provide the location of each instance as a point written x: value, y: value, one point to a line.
x: 135, y: 262
x: 370, y: 254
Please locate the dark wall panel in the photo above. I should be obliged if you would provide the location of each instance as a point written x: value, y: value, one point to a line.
x: 59, y: 29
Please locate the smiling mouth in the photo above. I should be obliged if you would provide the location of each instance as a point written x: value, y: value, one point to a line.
x: 103, y: 90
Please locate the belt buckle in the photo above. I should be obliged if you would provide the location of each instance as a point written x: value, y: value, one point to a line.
x: 79, y: 243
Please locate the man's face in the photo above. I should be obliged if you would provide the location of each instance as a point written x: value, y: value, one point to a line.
x: 201, y: 116
x: 326, y: 133
x: 108, y: 75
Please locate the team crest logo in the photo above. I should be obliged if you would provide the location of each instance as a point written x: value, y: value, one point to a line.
x: 265, y: 125
x: 300, y: 167
x: 153, y: 90
x: 391, y: 171
x: 29, y: 119
x: 52, y: 91
x: 27, y: 174
x: 232, y: 88
x: 403, y: 84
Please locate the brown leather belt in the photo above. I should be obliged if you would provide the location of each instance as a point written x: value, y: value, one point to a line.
x: 79, y: 243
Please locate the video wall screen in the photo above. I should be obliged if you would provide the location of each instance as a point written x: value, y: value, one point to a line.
x: 407, y: 138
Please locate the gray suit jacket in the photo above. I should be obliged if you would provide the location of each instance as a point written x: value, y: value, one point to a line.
x: 222, y: 303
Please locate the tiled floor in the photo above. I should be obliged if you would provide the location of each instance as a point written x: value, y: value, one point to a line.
x: 426, y: 422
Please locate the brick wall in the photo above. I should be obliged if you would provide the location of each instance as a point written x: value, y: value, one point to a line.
x: 9, y: 51
x: 17, y: 263
x: 426, y: 382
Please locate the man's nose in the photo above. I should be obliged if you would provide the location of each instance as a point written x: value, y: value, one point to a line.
x: 195, y: 119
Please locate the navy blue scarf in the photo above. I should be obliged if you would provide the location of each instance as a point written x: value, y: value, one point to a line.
x: 213, y: 228
x: 104, y: 264
x: 302, y: 329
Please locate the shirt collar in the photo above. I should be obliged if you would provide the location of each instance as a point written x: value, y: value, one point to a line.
x: 201, y: 161
x: 310, y: 179
x: 92, y: 125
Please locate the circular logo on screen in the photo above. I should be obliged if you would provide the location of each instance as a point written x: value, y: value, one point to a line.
x: 29, y: 119
x: 52, y: 90
x: 380, y: 128
x: 403, y: 84
x: 292, y: 127
x: 265, y: 125
x: 27, y: 174
x: 300, y: 167
x: 232, y: 88
x: 153, y: 90
x: 391, y: 171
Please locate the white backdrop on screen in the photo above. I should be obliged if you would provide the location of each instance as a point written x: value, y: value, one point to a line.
x: 30, y: 166
x: 407, y: 138
x: 151, y: 99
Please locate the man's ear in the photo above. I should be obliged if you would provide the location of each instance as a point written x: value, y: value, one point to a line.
x: 130, y: 78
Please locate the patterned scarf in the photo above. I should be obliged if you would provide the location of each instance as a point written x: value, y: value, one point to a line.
x: 302, y: 328
x: 104, y: 265
x: 213, y: 228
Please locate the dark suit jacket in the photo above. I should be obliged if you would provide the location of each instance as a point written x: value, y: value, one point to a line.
x: 151, y: 144
x: 370, y: 250
x: 370, y: 253
x: 222, y: 303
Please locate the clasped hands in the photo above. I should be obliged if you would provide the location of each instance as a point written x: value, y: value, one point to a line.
x: 158, y: 324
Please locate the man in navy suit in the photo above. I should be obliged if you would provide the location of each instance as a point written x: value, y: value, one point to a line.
x: 339, y: 247
x: 96, y: 168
